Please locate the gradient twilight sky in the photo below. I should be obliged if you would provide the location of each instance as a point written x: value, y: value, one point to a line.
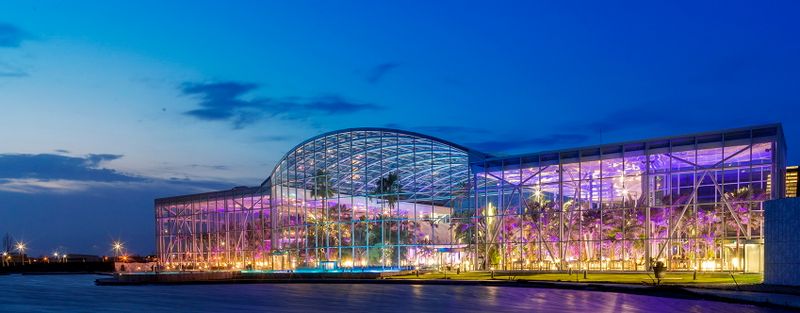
x: 105, y: 106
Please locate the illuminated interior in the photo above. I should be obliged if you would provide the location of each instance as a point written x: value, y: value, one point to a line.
x: 381, y: 199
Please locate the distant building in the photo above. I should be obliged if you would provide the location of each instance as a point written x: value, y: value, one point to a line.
x: 14, y: 258
x: 83, y: 258
x: 791, y: 181
x: 134, y: 267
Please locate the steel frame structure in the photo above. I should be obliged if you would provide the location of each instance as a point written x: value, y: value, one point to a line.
x: 386, y: 199
x: 353, y: 217
x: 693, y: 202
x: 216, y: 230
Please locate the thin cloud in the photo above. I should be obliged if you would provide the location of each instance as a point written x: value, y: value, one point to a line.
x: 301, y: 109
x: 95, y: 159
x: 378, y: 72
x: 55, y: 167
x: 468, y: 135
x: 486, y: 140
x: 225, y: 101
x: 495, y: 146
x: 11, y: 36
x: 55, y: 173
x: 273, y: 138
x: 457, y: 134
x: 7, y: 70
x: 218, y: 101
x: 34, y: 173
x: 628, y: 118
x: 69, y: 186
x: 13, y: 74
x: 213, y: 167
x: 585, y: 131
x: 452, y: 130
x: 442, y: 129
x: 32, y: 185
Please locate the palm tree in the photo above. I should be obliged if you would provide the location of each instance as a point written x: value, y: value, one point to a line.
x: 323, y: 187
x: 462, y: 221
x: 388, y: 188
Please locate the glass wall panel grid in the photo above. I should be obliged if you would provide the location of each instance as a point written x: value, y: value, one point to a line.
x: 218, y: 230
x: 372, y: 198
x: 387, y: 199
x: 692, y: 202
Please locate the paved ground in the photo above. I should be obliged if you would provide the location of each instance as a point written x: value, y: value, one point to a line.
x: 672, y: 278
x: 781, y: 299
x: 726, y: 287
x: 736, y: 287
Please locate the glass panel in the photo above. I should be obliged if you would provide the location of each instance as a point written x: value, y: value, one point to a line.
x: 383, y: 200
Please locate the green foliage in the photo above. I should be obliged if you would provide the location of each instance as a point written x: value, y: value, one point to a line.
x: 329, y: 228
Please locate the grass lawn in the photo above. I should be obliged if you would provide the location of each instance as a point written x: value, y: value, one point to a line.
x: 627, y: 278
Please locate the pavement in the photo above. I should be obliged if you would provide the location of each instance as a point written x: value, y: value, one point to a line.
x: 785, y: 297
x: 779, y: 299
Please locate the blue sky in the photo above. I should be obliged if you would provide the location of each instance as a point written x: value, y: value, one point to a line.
x: 104, y: 106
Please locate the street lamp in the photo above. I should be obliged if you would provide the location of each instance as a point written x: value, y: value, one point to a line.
x: 117, y: 246
x: 21, y: 250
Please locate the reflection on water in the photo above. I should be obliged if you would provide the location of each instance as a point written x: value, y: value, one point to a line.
x: 77, y: 293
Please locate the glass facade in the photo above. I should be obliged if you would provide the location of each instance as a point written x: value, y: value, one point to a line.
x: 214, y: 231
x: 367, y: 198
x: 693, y: 203
x: 387, y: 199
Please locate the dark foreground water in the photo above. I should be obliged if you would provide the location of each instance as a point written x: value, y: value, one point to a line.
x: 77, y: 293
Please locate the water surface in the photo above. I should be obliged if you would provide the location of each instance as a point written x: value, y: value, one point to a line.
x: 77, y: 293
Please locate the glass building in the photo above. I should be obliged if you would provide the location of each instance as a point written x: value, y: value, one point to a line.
x: 385, y: 199
x: 215, y: 230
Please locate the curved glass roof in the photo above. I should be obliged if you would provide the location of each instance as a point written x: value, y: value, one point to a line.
x: 355, y: 159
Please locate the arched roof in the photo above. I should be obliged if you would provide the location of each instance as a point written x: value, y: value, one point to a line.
x: 356, y: 158
x: 472, y: 153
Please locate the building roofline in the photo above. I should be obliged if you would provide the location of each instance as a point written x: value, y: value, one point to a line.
x: 471, y: 152
x: 386, y: 129
x: 481, y: 156
x: 240, y: 189
x: 777, y: 126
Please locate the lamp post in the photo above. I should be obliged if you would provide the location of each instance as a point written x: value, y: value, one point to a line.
x: 117, y: 246
x: 21, y: 250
